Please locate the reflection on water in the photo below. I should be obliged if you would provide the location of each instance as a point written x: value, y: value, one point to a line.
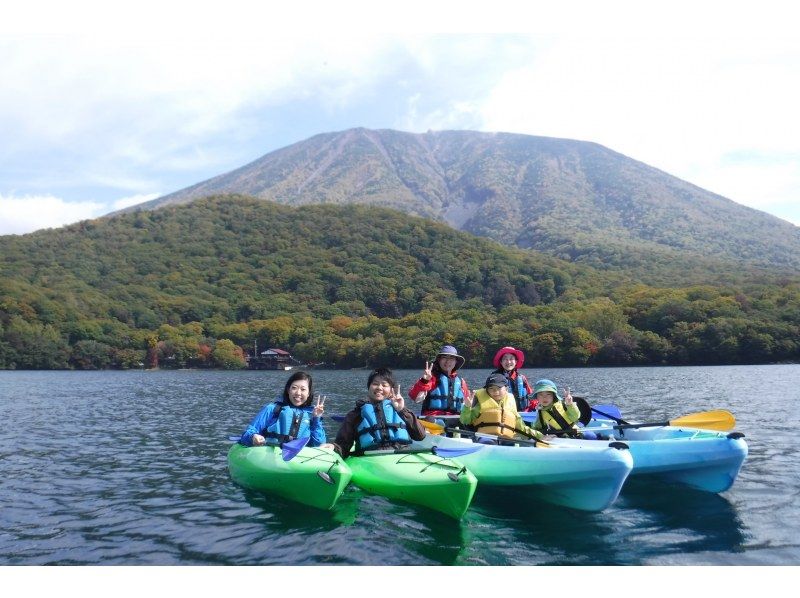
x: 710, y: 520
x: 133, y: 471
x: 546, y: 534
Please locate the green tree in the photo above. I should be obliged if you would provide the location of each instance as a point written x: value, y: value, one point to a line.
x: 36, y: 346
x: 228, y: 356
x: 91, y: 355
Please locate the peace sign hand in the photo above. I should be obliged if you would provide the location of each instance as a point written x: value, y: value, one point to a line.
x: 567, y: 397
x: 428, y: 373
x: 319, y: 407
x: 397, y: 399
x: 468, y: 398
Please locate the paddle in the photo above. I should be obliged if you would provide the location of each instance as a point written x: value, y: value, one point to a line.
x: 585, y: 409
x: 439, y: 451
x: 718, y: 419
x: 431, y: 427
x: 435, y: 429
x: 610, y: 412
x: 289, y: 449
x: 478, y: 435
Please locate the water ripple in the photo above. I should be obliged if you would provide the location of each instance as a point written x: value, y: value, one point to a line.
x: 130, y: 468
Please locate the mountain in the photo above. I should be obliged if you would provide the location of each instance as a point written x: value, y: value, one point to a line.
x: 194, y: 285
x: 576, y: 200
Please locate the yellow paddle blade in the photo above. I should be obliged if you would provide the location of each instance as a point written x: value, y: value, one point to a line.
x: 718, y: 419
x: 432, y: 428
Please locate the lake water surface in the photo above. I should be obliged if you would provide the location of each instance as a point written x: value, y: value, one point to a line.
x: 129, y: 468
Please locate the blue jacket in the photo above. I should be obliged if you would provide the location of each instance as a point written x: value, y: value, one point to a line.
x: 266, y: 424
x: 519, y: 386
x: 353, y: 427
x: 380, y: 426
x: 439, y: 398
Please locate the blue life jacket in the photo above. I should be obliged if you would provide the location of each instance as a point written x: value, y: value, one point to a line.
x: 288, y: 423
x: 448, y: 395
x: 517, y: 388
x: 380, y: 426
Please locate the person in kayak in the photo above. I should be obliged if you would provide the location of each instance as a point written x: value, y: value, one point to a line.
x: 440, y: 389
x: 492, y: 410
x: 556, y: 416
x: 380, y: 421
x: 292, y: 416
x: 508, y: 361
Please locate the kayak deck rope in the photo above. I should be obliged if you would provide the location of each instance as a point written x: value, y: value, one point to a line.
x: 442, y: 461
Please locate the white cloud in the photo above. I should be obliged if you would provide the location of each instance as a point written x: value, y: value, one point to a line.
x: 28, y: 213
x: 24, y: 214
x: 165, y: 114
x: 127, y: 202
x: 773, y: 187
x: 172, y: 93
x: 683, y: 105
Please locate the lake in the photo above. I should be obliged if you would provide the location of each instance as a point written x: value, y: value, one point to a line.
x: 129, y: 468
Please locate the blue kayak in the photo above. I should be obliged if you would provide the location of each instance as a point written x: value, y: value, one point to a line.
x: 703, y: 459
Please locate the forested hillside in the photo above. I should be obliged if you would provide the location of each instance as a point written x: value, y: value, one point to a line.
x: 572, y: 199
x: 195, y: 285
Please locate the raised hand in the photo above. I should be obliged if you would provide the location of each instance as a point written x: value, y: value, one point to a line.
x: 319, y: 406
x: 428, y: 373
x: 397, y: 399
x: 567, y: 397
x: 468, y: 399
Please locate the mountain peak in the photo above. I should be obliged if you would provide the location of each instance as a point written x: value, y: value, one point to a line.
x: 575, y: 199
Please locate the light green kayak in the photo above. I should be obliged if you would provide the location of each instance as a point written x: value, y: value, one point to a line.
x: 315, y: 477
x: 418, y: 477
x: 588, y: 477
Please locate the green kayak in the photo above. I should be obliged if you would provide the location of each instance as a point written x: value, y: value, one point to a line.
x: 421, y: 478
x: 315, y: 477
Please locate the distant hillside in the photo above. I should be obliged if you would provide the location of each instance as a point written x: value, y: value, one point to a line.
x: 195, y: 285
x: 573, y: 199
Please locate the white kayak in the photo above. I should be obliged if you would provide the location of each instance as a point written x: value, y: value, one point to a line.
x: 587, y: 477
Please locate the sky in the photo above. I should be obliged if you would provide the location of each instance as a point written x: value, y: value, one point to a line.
x: 107, y: 104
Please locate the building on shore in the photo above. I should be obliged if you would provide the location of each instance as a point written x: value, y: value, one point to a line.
x: 271, y: 359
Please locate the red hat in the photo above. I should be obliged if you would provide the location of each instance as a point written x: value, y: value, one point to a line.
x: 515, y: 352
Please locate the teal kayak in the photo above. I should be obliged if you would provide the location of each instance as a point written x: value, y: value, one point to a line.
x: 421, y: 478
x: 587, y: 478
x: 702, y: 459
x: 315, y: 477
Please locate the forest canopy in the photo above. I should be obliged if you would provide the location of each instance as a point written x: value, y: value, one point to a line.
x: 199, y: 285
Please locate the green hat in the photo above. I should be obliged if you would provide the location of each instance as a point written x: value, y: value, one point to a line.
x: 546, y: 385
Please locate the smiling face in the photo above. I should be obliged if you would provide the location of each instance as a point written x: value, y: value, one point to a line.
x: 545, y: 398
x: 508, y: 361
x: 379, y: 389
x: 447, y: 363
x: 298, y: 392
x: 496, y: 392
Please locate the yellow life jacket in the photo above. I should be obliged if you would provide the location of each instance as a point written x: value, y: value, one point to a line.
x: 557, y: 417
x: 496, y: 418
